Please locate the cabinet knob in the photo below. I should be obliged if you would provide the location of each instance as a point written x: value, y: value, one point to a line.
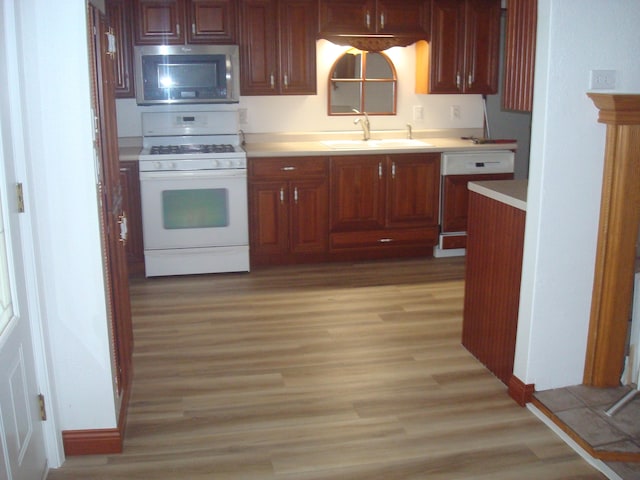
x: 281, y: 195
x: 367, y: 19
x: 286, y: 81
x: 382, y: 21
x: 380, y: 170
x: 470, y: 80
x: 272, y: 81
x: 458, y: 81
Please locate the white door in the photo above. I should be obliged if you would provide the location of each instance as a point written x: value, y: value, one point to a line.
x: 22, y: 452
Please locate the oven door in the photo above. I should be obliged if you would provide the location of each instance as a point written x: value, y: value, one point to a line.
x: 206, y: 208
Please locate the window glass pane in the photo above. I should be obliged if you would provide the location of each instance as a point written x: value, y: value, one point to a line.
x: 378, y: 97
x: 345, y: 96
x: 196, y: 208
x: 378, y: 67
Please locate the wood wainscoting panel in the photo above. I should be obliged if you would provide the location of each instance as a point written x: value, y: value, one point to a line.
x: 495, y: 239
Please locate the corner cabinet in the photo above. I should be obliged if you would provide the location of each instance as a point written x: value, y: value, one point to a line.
x: 463, y: 54
x: 520, y: 55
x: 288, y: 210
x: 384, y: 205
x: 278, y: 47
x: 361, y: 17
x: 175, y: 22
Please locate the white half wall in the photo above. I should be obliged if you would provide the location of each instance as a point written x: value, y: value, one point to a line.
x: 62, y: 198
x: 565, y: 177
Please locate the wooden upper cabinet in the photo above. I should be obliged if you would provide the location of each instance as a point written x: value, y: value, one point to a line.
x: 520, y: 55
x: 463, y: 54
x: 278, y: 47
x: 159, y: 22
x: 119, y: 19
x: 361, y: 17
x: 211, y: 21
x: 175, y: 22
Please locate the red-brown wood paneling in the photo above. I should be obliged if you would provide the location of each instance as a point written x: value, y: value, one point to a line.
x: 495, y: 238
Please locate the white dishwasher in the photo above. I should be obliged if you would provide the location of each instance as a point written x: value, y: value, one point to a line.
x: 457, y: 170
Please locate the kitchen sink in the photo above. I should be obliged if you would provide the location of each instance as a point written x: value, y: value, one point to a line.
x: 373, y: 144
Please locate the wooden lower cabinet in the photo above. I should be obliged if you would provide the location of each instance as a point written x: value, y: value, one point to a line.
x: 131, y: 205
x: 455, y: 199
x: 384, y: 205
x: 492, y: 283
x: 288, y: 210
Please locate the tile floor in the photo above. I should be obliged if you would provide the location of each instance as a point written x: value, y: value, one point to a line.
x: 582, y: 409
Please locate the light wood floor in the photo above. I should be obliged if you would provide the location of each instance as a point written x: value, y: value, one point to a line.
x: 319, y: 372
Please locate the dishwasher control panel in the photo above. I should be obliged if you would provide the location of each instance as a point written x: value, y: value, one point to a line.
x: 469, y: 163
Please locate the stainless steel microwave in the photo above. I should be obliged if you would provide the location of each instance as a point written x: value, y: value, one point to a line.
x: 186, y: 74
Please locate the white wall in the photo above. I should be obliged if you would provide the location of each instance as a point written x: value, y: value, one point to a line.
x: 308, y: 113
x: 62, y: 198
x: 567, y: 153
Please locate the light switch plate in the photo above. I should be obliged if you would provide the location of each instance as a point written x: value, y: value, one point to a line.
x: 602, y: 80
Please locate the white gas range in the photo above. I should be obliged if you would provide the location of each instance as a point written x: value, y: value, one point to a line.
x: 193, y: 181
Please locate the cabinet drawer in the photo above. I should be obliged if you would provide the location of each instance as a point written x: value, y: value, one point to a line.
x: 384, y: 238
x: 289, y: 167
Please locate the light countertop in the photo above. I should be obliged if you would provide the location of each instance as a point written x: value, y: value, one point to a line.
x: 314, y: 147
x: 510, y: 192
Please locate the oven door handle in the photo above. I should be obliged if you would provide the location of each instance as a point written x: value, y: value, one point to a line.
x: 196, y: 174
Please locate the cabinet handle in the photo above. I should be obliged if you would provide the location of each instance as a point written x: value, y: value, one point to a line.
x: 193, y: 28
x: 178, y: 29
x: 470, y: 80
x: 272, y: 81
x: 281, y: 195
x: 288, y: 169
x: 393, y: 170
x: 458, y: 81
x: 286, y: 81
x: 382, y: 21
x: 385, y: 240
x: 367, y: 19
x: 380, y: 170
x: 295, y: 195
x: 124, y: 228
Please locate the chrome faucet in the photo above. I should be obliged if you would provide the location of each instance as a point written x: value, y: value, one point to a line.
x: 409, y: 132
x: 366, y: 126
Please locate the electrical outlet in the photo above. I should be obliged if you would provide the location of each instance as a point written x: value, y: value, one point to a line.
x: 243, y: 116
x: 455, y: 112
x: 602, y: 80
x: 418, y: 113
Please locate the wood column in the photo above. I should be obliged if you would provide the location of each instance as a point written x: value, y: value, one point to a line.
x: 617, y: 235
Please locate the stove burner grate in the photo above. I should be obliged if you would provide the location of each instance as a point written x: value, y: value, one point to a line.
x: 181, y: 149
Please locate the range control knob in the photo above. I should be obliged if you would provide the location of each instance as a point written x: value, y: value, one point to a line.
x: 157, y: 165
x: 214, y: 163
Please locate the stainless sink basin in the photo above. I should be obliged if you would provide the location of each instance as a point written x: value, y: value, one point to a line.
x: 373, y: 144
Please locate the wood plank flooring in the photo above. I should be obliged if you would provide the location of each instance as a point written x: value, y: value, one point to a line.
x: 339, y: 371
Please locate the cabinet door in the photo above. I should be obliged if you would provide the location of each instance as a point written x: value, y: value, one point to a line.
x: 357, y: 192
x: 309, y: 212
x: 159, y: 22
x: 268, y: 218
x: 211, y: 21
x: 258, y: 48
x: 298, y: 27
x: 134, y: 248
x: 455, y: 198
x: 447, y: 46
x: 402, y: 16
x: 347, y: 16
x: 482, y: 46
x: 119, y: 17
x: 414, y: 187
